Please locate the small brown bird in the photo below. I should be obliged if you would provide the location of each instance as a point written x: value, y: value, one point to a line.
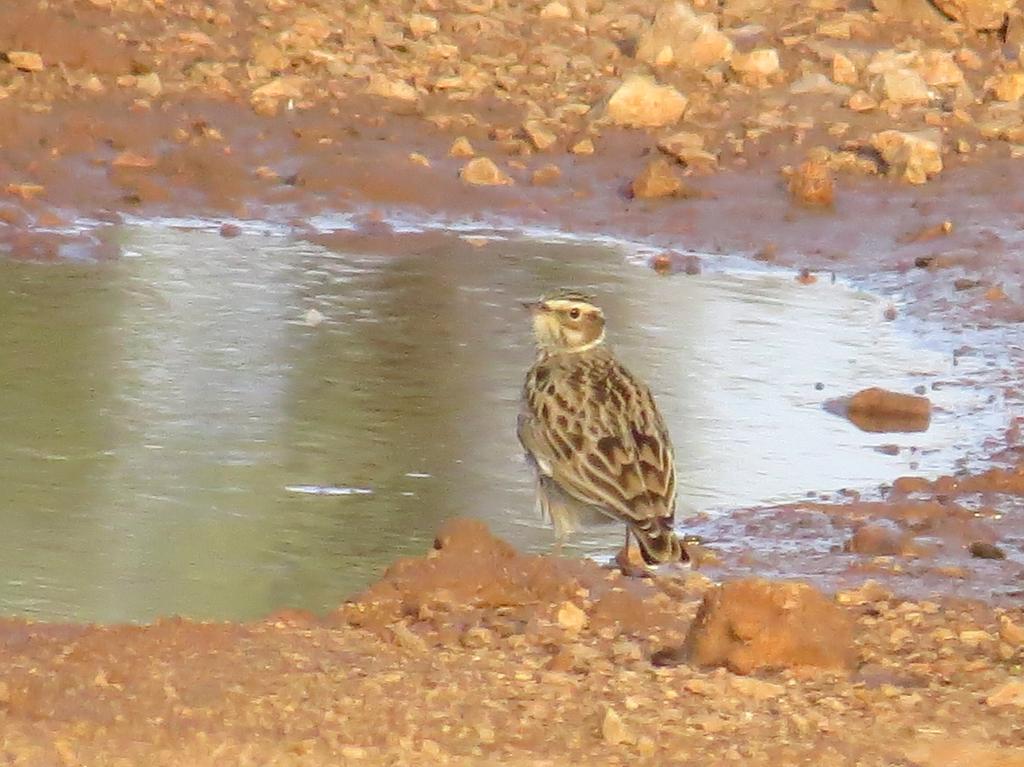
x: 593, y: 433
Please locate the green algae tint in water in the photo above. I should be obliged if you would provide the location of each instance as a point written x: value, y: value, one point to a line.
x: 176, y: 439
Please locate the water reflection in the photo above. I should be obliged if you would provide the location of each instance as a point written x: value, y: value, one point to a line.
x: 178, y: 440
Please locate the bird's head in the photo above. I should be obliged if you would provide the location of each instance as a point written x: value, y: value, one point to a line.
x: 567, y: 321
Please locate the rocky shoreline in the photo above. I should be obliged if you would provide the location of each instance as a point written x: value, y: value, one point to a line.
x: 877, y: 140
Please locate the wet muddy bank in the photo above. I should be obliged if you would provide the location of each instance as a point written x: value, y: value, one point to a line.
x: 952, y: 247
x: 805, y: 129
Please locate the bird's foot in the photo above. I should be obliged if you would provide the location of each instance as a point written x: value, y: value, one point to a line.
x: 557, y: 547
x: 631, y: 563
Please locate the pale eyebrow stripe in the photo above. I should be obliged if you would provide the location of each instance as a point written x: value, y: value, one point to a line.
x: 559, y: 304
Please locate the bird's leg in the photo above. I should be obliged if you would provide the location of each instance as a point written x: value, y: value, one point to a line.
x: 627, y: 563
x: 622, y: 558
x: 558, y: 545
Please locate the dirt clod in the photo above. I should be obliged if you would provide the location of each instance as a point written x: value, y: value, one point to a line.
x: 753, y: 624
x: 812, y: 184
x: 481, y: 171
x: 880, y: 410
x: 659, y: 178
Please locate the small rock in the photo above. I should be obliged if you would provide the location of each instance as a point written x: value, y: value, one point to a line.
x: 979, y: 15
x: 666, y: 56
x: 995, y: 293
x: 555, y: 10
x: 657, y: 179
x: 688, y: 149
x: 905, y: 86
x: 708, y: 722
x: 646, y: 746
x: 25, y: 191
x: 970, y: 59
x: 150, y: 84
x: 130, y: 159
x: 422, y: 26
x: 974, y: 636
x: 843, y: 70
x: 312, y: 318
x: 915, y: 157
x: 391, y: 88
x: 614, y: 729
x: 862, y: 102
x: 640, y: 102
x: 419, y: 159
x: 1009, y: 632
x: 806, y: 277
x: 812, y: 184
x: 280, y: 88
x: 477, y: 637
x: 868, y: 592
x: 756, y: 689
x: 838, y: 29
x: 753, y: 623
x: 759, y: 64
x: 879, y: 539
x: 816, y: 82
x: 681, y: 141
x: 312, y: 26
x: 540, y: 136
x: 269, y: 56
x: 678, y: 35
x: 985, y: 550
x: 404, y: 636
x: 461, y: 148
x: 926, y: 233
x: 879, y: 410
x: 1009, y: 694
x: 584, y: 146
x: 702, y: 687
x: 571, y: 617
x: 938, y: 69
x: 546, y: 175
x: 1006, y: 87
x: 26, y: 61
x: 673, y: 263
x: 481, y: 171
x: 229, y: 231
x: 920, y: 11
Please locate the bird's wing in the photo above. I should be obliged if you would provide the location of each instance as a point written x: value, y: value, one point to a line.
x: 604, y: 442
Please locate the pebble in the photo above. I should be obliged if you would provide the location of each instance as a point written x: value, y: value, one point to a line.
x: 985, y: 550
x: 481, y: 171
x: 614, y: 730
x: 27, y: 61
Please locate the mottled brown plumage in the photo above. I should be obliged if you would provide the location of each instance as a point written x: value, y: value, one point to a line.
x: 593, y: 433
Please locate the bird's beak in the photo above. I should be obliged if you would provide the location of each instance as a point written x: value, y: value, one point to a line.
x: 533, y: 307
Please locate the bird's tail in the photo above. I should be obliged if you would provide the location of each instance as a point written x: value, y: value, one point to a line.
x: 658, y: 542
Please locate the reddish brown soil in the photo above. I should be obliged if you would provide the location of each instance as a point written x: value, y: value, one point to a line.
x: 476, y: 655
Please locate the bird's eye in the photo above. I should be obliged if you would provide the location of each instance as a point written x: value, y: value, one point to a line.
x: 574, y: 313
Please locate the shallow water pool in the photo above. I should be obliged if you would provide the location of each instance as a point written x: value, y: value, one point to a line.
x: 181, y: 436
